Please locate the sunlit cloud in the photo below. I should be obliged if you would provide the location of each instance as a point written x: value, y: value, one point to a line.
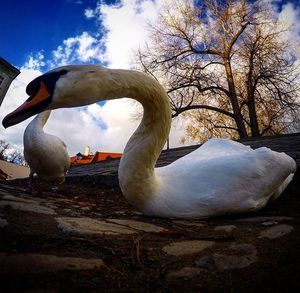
x: 83, y: 48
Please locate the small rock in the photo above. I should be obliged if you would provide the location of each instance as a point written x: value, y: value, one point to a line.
x: 245, y: 255
x: 188, y: 223
x: 276, y: 231
x: 85, y: 208
x: 187, y: 247
x: 269, y: 223
x: 39, y: 263
x: 185, y: 273
x: 120, y: 213
x: 229, y: 262
x: 97, y: 214
x: 264, y: 219
x: 207, y: 261
x: 27, y: 207
x: 109, y: 227
x: 51, y: 205
x: 91, y: 226
x: 137, y: 225
x: 3, y: 223
x: 137, y: 213
x: 20, y: 199
x: 226, y: 228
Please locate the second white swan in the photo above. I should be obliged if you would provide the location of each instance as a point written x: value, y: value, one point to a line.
x: 45, y: 154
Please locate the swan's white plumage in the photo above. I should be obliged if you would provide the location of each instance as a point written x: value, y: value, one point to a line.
x: 220, y: 177
x: 45, y: 154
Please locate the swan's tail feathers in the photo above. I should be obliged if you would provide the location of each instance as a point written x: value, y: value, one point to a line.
x: 288, y: 168
x: 282, y: 187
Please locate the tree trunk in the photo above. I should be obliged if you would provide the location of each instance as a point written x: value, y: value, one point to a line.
x: 234, y: 101
x: 251, y: 107
x: 253, y: 118
x: 251, y: 100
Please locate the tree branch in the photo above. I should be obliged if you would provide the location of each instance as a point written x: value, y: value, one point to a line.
x: 207, y: 107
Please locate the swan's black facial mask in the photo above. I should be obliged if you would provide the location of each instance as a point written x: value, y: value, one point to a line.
x: 40, y: 90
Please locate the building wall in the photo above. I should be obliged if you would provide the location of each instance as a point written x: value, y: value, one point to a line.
x: 14, y: 171
x: 7, y: 74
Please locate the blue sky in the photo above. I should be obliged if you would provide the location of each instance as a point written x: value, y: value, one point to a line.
x: 34, y: 26
x: 37, y: 35
x: 31, y: 26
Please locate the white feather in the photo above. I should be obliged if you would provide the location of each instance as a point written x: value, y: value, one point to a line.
x: 45, y: 154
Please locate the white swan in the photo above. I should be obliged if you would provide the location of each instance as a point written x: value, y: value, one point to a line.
x: 45, y: 154
x: 220, y: 177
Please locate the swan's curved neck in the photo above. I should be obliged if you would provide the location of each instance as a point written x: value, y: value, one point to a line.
x: 93, y: 84
x: 136, y: 171
x: 37, y: 124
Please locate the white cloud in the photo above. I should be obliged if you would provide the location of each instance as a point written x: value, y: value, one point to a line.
x: 35, y: 62
x: 89, y: 13
x: 289, y: 16
x: 82, y: 48
x: 126, y: 25
x: 15, y: 96
x: 84, y: 126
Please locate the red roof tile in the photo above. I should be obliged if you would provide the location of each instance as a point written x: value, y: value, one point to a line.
x: 97, y: 157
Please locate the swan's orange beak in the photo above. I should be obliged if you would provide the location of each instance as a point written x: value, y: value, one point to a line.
x: 33, y: 105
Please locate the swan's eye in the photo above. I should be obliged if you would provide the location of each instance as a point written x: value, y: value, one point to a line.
x: 33, y: 87
x: 49, y: 79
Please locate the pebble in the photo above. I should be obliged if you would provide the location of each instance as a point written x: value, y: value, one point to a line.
x: 185, y: 273
x: 276, y: 231
x: 264, y: 219
x: 187, y: 247
x: 269, y: 223
x: 20, y: 199
x: 226, y: 228
x: 86, y: 225
x: 85, y: 208
x: 39, y: 263
x: 239, y: 256
x: 27, y: 207
x: 3, y: 223
x: 189, y: 223
x: 137, y: 225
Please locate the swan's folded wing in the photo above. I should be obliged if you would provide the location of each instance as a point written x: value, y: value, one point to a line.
x: 214, y: 149
x: 232, y: 183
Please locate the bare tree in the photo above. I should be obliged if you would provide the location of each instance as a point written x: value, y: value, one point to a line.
x: 4, y: 146
x: 16, y: 157
x: 8, y: 153
x: 227, y: 61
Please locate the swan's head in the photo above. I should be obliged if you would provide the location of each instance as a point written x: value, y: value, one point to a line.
x: 62, y: 87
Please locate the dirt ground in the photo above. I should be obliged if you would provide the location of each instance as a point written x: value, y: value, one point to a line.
x: 139, y: 262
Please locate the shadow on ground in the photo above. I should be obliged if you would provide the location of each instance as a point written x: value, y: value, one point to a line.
x: 85, y: 236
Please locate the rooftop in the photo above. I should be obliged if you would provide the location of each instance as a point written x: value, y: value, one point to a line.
x: 10, y: 66
x: 81, y: 159
x: 106, y: 171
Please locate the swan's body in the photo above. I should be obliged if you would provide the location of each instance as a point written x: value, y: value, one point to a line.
x: 45, y: 154
x: 221, y: 177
